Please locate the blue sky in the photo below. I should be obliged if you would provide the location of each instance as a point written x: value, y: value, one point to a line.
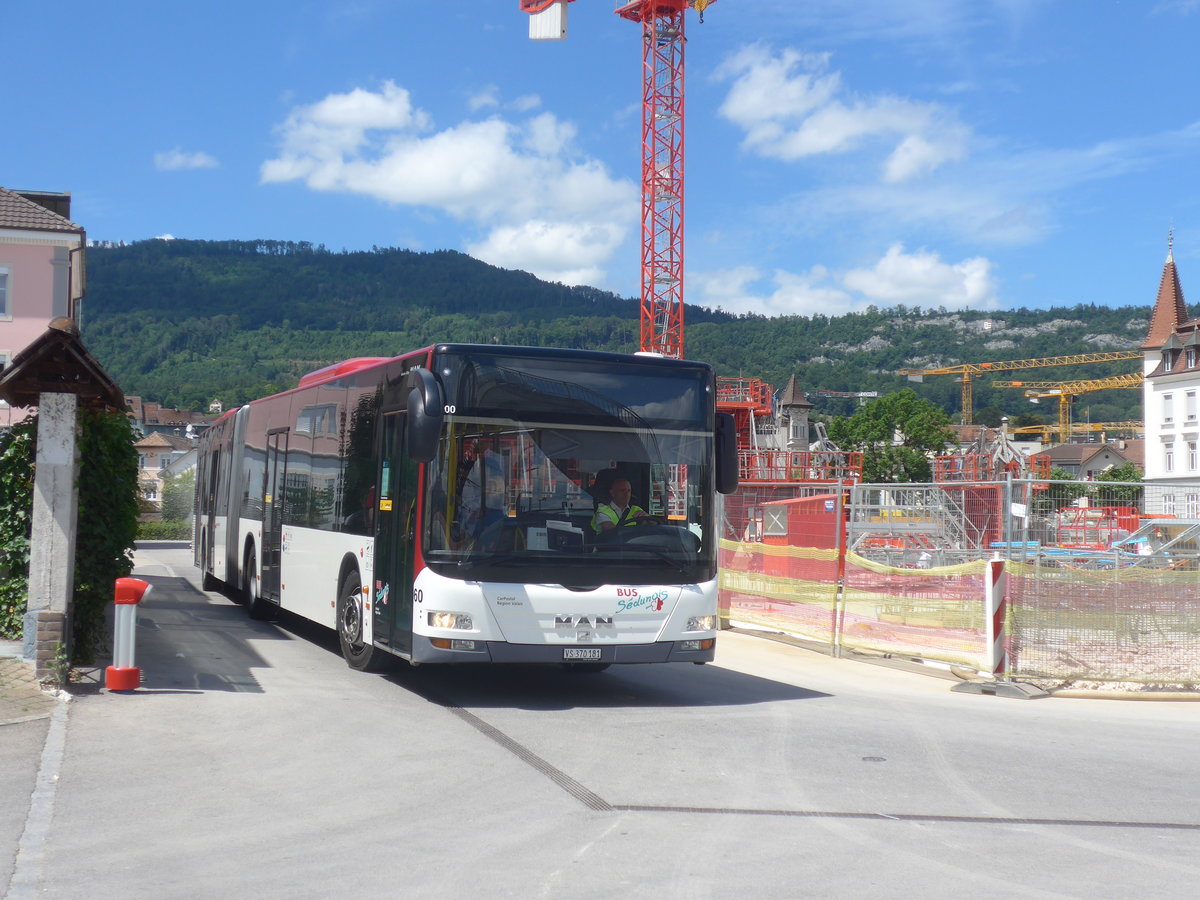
x: 983, y: 154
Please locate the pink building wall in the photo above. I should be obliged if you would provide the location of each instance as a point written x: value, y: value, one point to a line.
x: 30, y: 295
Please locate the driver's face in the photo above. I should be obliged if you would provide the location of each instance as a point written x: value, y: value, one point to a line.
x: 620, y: 492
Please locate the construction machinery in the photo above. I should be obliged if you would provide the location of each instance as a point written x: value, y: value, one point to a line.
x: 968, y: 371
x: 663, y: 42
x: 861, y: 396
x: 1067, y: 391
x: 1044, y: 432
x: 990, y: 457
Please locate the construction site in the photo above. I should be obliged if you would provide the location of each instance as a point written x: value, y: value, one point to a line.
x: 993, y: 566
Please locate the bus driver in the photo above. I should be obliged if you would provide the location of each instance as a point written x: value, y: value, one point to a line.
x: 617, y: 511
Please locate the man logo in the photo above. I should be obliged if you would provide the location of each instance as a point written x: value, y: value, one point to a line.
x: 583, y: 622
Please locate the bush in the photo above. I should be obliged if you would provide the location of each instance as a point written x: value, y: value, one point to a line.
x: 16, y: 510
x: 164, y: 531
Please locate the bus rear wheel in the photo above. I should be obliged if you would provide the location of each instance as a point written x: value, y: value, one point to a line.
x: 207, y: 581
x: 256, y: 606
x: 350, y: 621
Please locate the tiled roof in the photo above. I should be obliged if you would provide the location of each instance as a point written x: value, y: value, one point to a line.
x: 164, y: 440
x: 793, y: 396
x: 1169, y: 309
x: 20, y: 212
x: 1133, y: 451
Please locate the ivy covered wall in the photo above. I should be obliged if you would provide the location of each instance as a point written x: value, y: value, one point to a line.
x: 107, y: 522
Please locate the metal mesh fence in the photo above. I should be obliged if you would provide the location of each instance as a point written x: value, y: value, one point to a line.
x: 1103, y: 579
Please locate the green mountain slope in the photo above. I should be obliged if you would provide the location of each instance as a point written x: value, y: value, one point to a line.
x: 186, y: 322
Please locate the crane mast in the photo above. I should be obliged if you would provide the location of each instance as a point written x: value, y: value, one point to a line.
x: 663, y: 41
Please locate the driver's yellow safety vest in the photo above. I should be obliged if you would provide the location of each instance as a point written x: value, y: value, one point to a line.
x: 605, y: 513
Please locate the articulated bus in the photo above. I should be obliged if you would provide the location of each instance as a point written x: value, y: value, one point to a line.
x: 439, y: 507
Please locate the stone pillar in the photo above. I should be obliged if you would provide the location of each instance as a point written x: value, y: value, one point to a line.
x: 52, y: 545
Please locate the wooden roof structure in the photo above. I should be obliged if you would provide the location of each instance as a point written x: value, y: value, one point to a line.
x: 58, y: 363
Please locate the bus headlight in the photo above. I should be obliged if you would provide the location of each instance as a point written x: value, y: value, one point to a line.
x: 706, y: 644
x: 701, y: 623
x: 459, y: 621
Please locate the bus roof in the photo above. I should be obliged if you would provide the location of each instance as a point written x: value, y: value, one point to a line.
x: 341, y: 370
x: 561, y: 353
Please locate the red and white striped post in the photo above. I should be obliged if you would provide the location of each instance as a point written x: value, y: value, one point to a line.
x: 995, y: 600
x: 123, y: 675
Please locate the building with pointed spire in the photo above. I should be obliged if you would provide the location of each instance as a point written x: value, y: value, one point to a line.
x: 794, y: 408
x: 1169, y: 399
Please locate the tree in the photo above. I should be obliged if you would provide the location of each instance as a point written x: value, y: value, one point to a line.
x: 897, y: 434
x: 990, y: 416
x: 1122, y: 485
x: 177, y: 496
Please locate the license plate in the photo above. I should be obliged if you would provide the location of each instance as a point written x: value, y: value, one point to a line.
x: 581, y: 653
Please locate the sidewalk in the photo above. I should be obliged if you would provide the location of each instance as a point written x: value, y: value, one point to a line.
x: 21, y: 699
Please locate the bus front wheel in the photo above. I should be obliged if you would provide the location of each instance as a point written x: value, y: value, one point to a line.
x: 350, y: 612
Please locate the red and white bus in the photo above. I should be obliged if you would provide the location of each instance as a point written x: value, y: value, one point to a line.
x: 438, y: 506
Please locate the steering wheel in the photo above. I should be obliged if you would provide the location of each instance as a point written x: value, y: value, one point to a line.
x: 649, y: 520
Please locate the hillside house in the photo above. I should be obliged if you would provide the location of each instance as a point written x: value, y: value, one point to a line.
x: 41, y: 271
x: 153, y: 418
x: 156, y: 453
x: 1088, y: 461
x: 1172, y: 368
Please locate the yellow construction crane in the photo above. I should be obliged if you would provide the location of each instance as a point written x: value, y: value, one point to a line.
x: 1067, y: 391
x: 968, y: 370
x: 1130, y: 428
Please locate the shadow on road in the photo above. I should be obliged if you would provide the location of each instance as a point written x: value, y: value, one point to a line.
x: 192, y: 641
x: 188, y: 641
x: 555, y: 688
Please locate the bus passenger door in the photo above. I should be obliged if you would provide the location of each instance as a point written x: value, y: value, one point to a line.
x: 273, y: 486
x: 210, y: 523
x: 395, y: 532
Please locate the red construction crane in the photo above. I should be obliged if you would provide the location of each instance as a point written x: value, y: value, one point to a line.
x: 663, y: 42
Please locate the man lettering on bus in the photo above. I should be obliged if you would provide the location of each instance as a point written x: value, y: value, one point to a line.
x: 618, y: 511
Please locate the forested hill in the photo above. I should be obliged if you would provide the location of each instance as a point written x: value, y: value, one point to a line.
x: 186, y: 322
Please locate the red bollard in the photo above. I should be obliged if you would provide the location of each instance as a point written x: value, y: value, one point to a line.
x: 123, y: 675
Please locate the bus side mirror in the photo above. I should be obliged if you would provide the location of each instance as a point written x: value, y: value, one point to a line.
x: 727, y: 454
x: 424, y: 415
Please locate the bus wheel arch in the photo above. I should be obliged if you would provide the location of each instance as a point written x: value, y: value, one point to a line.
x: 256, y: 606
x: 351, y: 619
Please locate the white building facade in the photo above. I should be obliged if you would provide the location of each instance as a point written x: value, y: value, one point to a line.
x: 1170, y: 399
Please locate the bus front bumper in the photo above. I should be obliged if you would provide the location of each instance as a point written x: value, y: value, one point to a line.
x: 424, y: 651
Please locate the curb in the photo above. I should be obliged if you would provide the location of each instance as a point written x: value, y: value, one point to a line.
x: 1152, y: 696
x: 946, y: 671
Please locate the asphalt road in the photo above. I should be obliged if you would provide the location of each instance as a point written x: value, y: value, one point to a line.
x: 254, y: 763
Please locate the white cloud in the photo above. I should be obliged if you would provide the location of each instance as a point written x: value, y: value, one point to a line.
x: 922, y: 279
x: 176, y: 159
x: 557, y: 251
x: 484, y: 98
x: 520, y: 184
x: 746, y: 289
x: 998, y: 197
x: 914, y: 279
x: 526, y: 102
x: 790, y: 107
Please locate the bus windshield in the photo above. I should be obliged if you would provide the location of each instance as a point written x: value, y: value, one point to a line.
x: 529, y: 457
